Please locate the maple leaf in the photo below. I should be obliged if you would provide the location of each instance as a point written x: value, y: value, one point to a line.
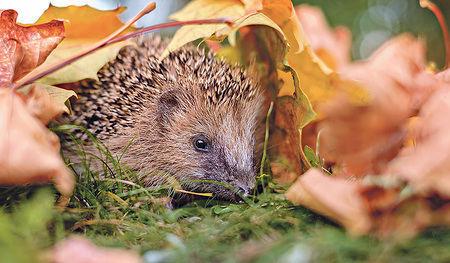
x: 24, y: 48
x: 366, y: 137
x: 29, y: 153
x: 427, y: 167
x: 80, y: 36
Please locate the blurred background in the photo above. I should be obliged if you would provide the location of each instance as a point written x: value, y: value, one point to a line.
x: 374, y: 21
x: 371, y: 21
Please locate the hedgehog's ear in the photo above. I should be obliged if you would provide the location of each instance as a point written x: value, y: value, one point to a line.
x: 171, y: 102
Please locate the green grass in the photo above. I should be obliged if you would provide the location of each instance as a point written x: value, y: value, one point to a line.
x: 113, y: 213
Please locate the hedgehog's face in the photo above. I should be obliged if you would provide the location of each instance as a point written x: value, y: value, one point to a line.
x: 214, y: 143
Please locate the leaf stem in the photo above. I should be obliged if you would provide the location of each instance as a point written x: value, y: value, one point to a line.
x: 223, y: 20
x: 438, y: 13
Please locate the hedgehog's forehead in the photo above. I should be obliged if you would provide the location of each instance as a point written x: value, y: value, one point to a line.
x: 222, y: 92
x: 214, y: 80
x: 238, y: 117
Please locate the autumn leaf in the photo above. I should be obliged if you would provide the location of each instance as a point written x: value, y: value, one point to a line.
x: 292, y: 116
x: 29, y: 152
x: 25, y: 48
x: 364, y: 138
x: 427, y: 169
x: 338, y: 199
x: 46, y: 102
x: 408, y: 187
x: 314, y: 75
x: 332, y: 46
x: 79, y: 19
x: 80, y: 250
x: 80, y: 36
x: 202, y: 9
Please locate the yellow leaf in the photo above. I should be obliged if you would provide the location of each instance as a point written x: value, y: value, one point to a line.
x: 86, y: 26
x: 84, y: 68
x: 283, y: 14
x: 59, y: 96
x: 250, y: 19
x: 84, y: 22
x: 202, y: 9
x: 315, y: 77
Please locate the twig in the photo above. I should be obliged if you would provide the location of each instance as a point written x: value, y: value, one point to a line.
x: 437, y: 12
x: 114, y: 38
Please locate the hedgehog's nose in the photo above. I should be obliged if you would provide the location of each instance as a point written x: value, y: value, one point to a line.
x: 244, y: 191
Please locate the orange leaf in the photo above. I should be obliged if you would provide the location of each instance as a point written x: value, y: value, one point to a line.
x: 332, y: 46
x: 80, y: 36
x: 282, y: 13
x: 252, y: 6
x: 25, y: 48
x: 314, y: 76
x: 29, y: 152
x: 366, y: 137
x: 338, y: 199
x: 82, y: 20
x: 428, y: 167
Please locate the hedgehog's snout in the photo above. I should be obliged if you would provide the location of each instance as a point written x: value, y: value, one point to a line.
x: 243, y: 191
x: 244, y: 185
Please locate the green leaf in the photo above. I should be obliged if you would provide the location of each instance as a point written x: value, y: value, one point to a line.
x: 311, y: 156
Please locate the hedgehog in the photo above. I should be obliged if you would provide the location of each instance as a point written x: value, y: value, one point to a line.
x: 189, y: 117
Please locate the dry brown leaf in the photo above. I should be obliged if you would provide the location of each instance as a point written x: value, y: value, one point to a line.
x: 29, y: 152
x: 42, y: 106
x: 337, y: 199
x: 290, y: 119
x: 398, y: 212
x: 366, y: 137
x: 25, y: 48
x: 331, y: 46
x: 80, y: 250
x: 428, y: 167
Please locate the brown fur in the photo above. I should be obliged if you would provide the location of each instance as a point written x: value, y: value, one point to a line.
x: 190, y: 95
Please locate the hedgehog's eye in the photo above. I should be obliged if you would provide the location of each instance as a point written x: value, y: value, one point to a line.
x: 201, y: 144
